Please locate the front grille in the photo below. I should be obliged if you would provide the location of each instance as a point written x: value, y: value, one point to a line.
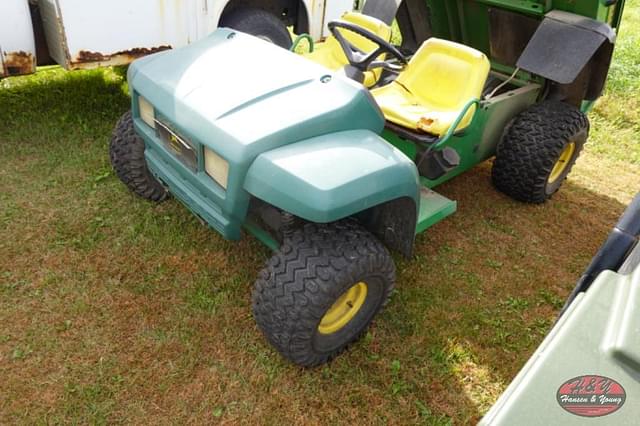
x: 179, y: 146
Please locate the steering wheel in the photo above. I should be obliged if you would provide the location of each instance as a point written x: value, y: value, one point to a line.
x: 357, y: 57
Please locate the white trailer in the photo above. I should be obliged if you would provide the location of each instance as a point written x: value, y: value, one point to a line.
x: 80, y: 34
x: 17, y: 42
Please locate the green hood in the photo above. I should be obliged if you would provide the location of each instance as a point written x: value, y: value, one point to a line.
x: 242, y: 96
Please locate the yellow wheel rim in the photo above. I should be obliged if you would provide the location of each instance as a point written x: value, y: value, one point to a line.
x: 563, y: 162
x: 344, y: 309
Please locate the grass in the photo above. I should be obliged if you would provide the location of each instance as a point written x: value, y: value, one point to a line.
x: 616, y: 120
x: 114, y: 310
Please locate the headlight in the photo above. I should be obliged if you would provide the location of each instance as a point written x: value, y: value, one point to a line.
x: 147, y: 114
x: 216, y: 167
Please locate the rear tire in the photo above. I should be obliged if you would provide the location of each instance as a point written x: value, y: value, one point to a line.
x: 259, y: 23
x: 321, y: 290
x: 126, y: 152
x: 538, y: 151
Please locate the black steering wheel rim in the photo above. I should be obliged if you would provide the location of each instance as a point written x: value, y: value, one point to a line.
x: 357, y: 58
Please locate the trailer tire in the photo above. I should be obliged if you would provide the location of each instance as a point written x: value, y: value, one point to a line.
x: 259, y: 23
x: 539, y: 150
x: 321, y: 290
x: 126, y: 152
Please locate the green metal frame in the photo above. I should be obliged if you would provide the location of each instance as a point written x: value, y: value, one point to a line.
x: 466, y: 21
x: 479, y: 140
x: 301, y: 38
x: 453, y: 129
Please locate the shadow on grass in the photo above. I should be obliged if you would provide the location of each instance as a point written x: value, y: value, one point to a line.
x: 55, y: 105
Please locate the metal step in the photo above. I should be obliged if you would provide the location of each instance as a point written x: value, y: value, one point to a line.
x: 433, y: 208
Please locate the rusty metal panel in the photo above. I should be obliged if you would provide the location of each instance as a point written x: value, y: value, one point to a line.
x: 18, y: 63
x: 17, y: 45
x: 88, y: 34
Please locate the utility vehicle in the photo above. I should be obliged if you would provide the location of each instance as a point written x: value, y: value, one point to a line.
x: 330, y: 157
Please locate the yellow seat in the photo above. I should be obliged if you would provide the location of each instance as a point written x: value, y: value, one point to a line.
x: 433, y: 90
x: 330, y: 54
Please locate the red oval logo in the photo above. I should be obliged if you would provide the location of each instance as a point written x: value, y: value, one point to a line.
x: 591, y: 396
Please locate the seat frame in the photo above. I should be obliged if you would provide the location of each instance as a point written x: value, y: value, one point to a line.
x: 421, y: 138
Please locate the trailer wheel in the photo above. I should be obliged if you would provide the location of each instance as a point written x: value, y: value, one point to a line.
x: 259, y: 23
x: 538, y: 151
x: 321, y: 290
x: 126, y: 152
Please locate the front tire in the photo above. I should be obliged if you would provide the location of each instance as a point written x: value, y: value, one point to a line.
x: 538, y: 151
x: 259, y: 23
x: 126, y: 152
x: 321, y: 290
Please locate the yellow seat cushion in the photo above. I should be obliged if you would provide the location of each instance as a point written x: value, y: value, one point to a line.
x: 330, y: 54
x: 432, y: 91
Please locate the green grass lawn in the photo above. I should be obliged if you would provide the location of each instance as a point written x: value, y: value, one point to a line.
x: 115, y: 310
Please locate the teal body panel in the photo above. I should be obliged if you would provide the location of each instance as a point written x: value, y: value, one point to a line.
x: 240, y: 114
x: 333, y: 176
x: 196, y: 191
x: 433, y: 208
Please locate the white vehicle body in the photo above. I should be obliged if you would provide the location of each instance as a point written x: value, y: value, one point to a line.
x: 17, y: 44
x: 92, y: 33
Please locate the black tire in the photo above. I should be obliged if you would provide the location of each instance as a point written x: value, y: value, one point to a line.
x: 547, y: 134
x: 259, y: 23
x: 314, y: 267
x: 126, y: 151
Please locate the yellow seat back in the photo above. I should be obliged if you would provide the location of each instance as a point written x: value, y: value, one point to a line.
x: 430, y: 93
x: 330, y: 54
x: 447, y: 74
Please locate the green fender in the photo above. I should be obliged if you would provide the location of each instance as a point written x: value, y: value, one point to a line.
x: 333, y: 176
